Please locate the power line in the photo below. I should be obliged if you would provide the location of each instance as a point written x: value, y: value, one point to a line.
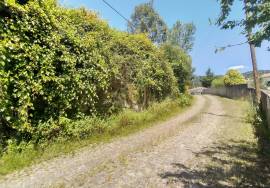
x: 117, y: 12
x: 229, y: 46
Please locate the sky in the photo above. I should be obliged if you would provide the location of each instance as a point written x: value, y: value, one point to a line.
x: 208, y: 37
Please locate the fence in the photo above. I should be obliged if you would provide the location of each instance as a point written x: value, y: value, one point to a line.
x: 233, y: 92
x: 242, y: 92
x: 265, y: 106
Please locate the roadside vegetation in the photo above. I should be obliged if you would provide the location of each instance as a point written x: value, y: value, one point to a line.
x: 73, y: 135
x: 257, y: 118
x: 208, y: 78
x: 234, y: 77
x: 218, y: 82
x: 67, y: 79
x: 231, y: 78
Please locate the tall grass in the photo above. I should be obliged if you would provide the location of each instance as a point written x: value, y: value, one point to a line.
x: 68, y: 136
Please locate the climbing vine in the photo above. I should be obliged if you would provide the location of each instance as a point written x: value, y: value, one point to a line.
x: 57, y: 62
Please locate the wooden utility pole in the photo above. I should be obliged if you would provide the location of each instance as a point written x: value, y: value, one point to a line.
x: 253, y: 57
x: 255, y: 72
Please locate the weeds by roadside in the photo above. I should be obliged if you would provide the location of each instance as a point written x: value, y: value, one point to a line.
x: 261, y: 131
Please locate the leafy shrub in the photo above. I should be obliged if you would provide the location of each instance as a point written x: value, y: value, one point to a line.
x: 218, y: 82
x: 67, y: 129
x: 261, y: 130
x: 184, y: 100
x: 66, y: 75
x: 234, y: 77
x: 67, y: 63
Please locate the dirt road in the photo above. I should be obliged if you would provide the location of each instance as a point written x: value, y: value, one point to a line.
x: 209, y: 145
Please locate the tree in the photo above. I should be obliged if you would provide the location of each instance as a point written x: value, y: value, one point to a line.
x: 146, y: 19
x: 181, y: 64
x: 218, y: 82
x: 234, y: 77
x: 260, y: 19
x: 257, y: 18
x: 207, y: 80
x: 182, y: 35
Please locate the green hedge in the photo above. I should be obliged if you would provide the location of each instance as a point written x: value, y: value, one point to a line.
x: 67, y: 63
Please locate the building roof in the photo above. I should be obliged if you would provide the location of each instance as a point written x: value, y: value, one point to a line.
x: 265, y: 75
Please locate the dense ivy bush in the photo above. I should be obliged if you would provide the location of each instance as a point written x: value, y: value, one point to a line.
x: 58, y: 63
x: 50, y: 67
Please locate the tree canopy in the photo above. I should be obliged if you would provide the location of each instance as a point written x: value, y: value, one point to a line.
x: 208, y: 78
x: 182, y: 35
x: 257, y: 20
x: 146, y: 19
x: 181, y: 64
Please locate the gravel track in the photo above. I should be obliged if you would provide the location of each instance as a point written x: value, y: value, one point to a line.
x: 146, y: 167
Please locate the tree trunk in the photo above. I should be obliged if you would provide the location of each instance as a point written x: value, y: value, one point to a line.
x: 255, y: 73
x: 145, y: 100
x: 253, y: 57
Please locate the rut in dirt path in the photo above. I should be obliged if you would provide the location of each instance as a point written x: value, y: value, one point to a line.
x: 65, y: 170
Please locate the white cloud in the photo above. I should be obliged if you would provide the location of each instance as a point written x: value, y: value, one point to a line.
x: 237, y: 67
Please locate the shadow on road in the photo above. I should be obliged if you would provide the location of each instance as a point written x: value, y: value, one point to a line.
x: 236, y: 164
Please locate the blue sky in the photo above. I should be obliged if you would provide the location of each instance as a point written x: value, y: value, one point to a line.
x: 207, y: 37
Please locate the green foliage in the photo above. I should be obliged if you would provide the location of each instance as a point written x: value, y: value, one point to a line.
x: 182, y: 35
x: 185, y: 100
x: 181, y: 64
x: 218, y: 82
x: 50, y: 67
x: 145, y: 19
x: 208, y: 78
x: 261, y: 21
x: 257, y: 20
x: 60, y: 65
x: 234, y: 77
x: 256, y: 117
x: 140, y: 70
